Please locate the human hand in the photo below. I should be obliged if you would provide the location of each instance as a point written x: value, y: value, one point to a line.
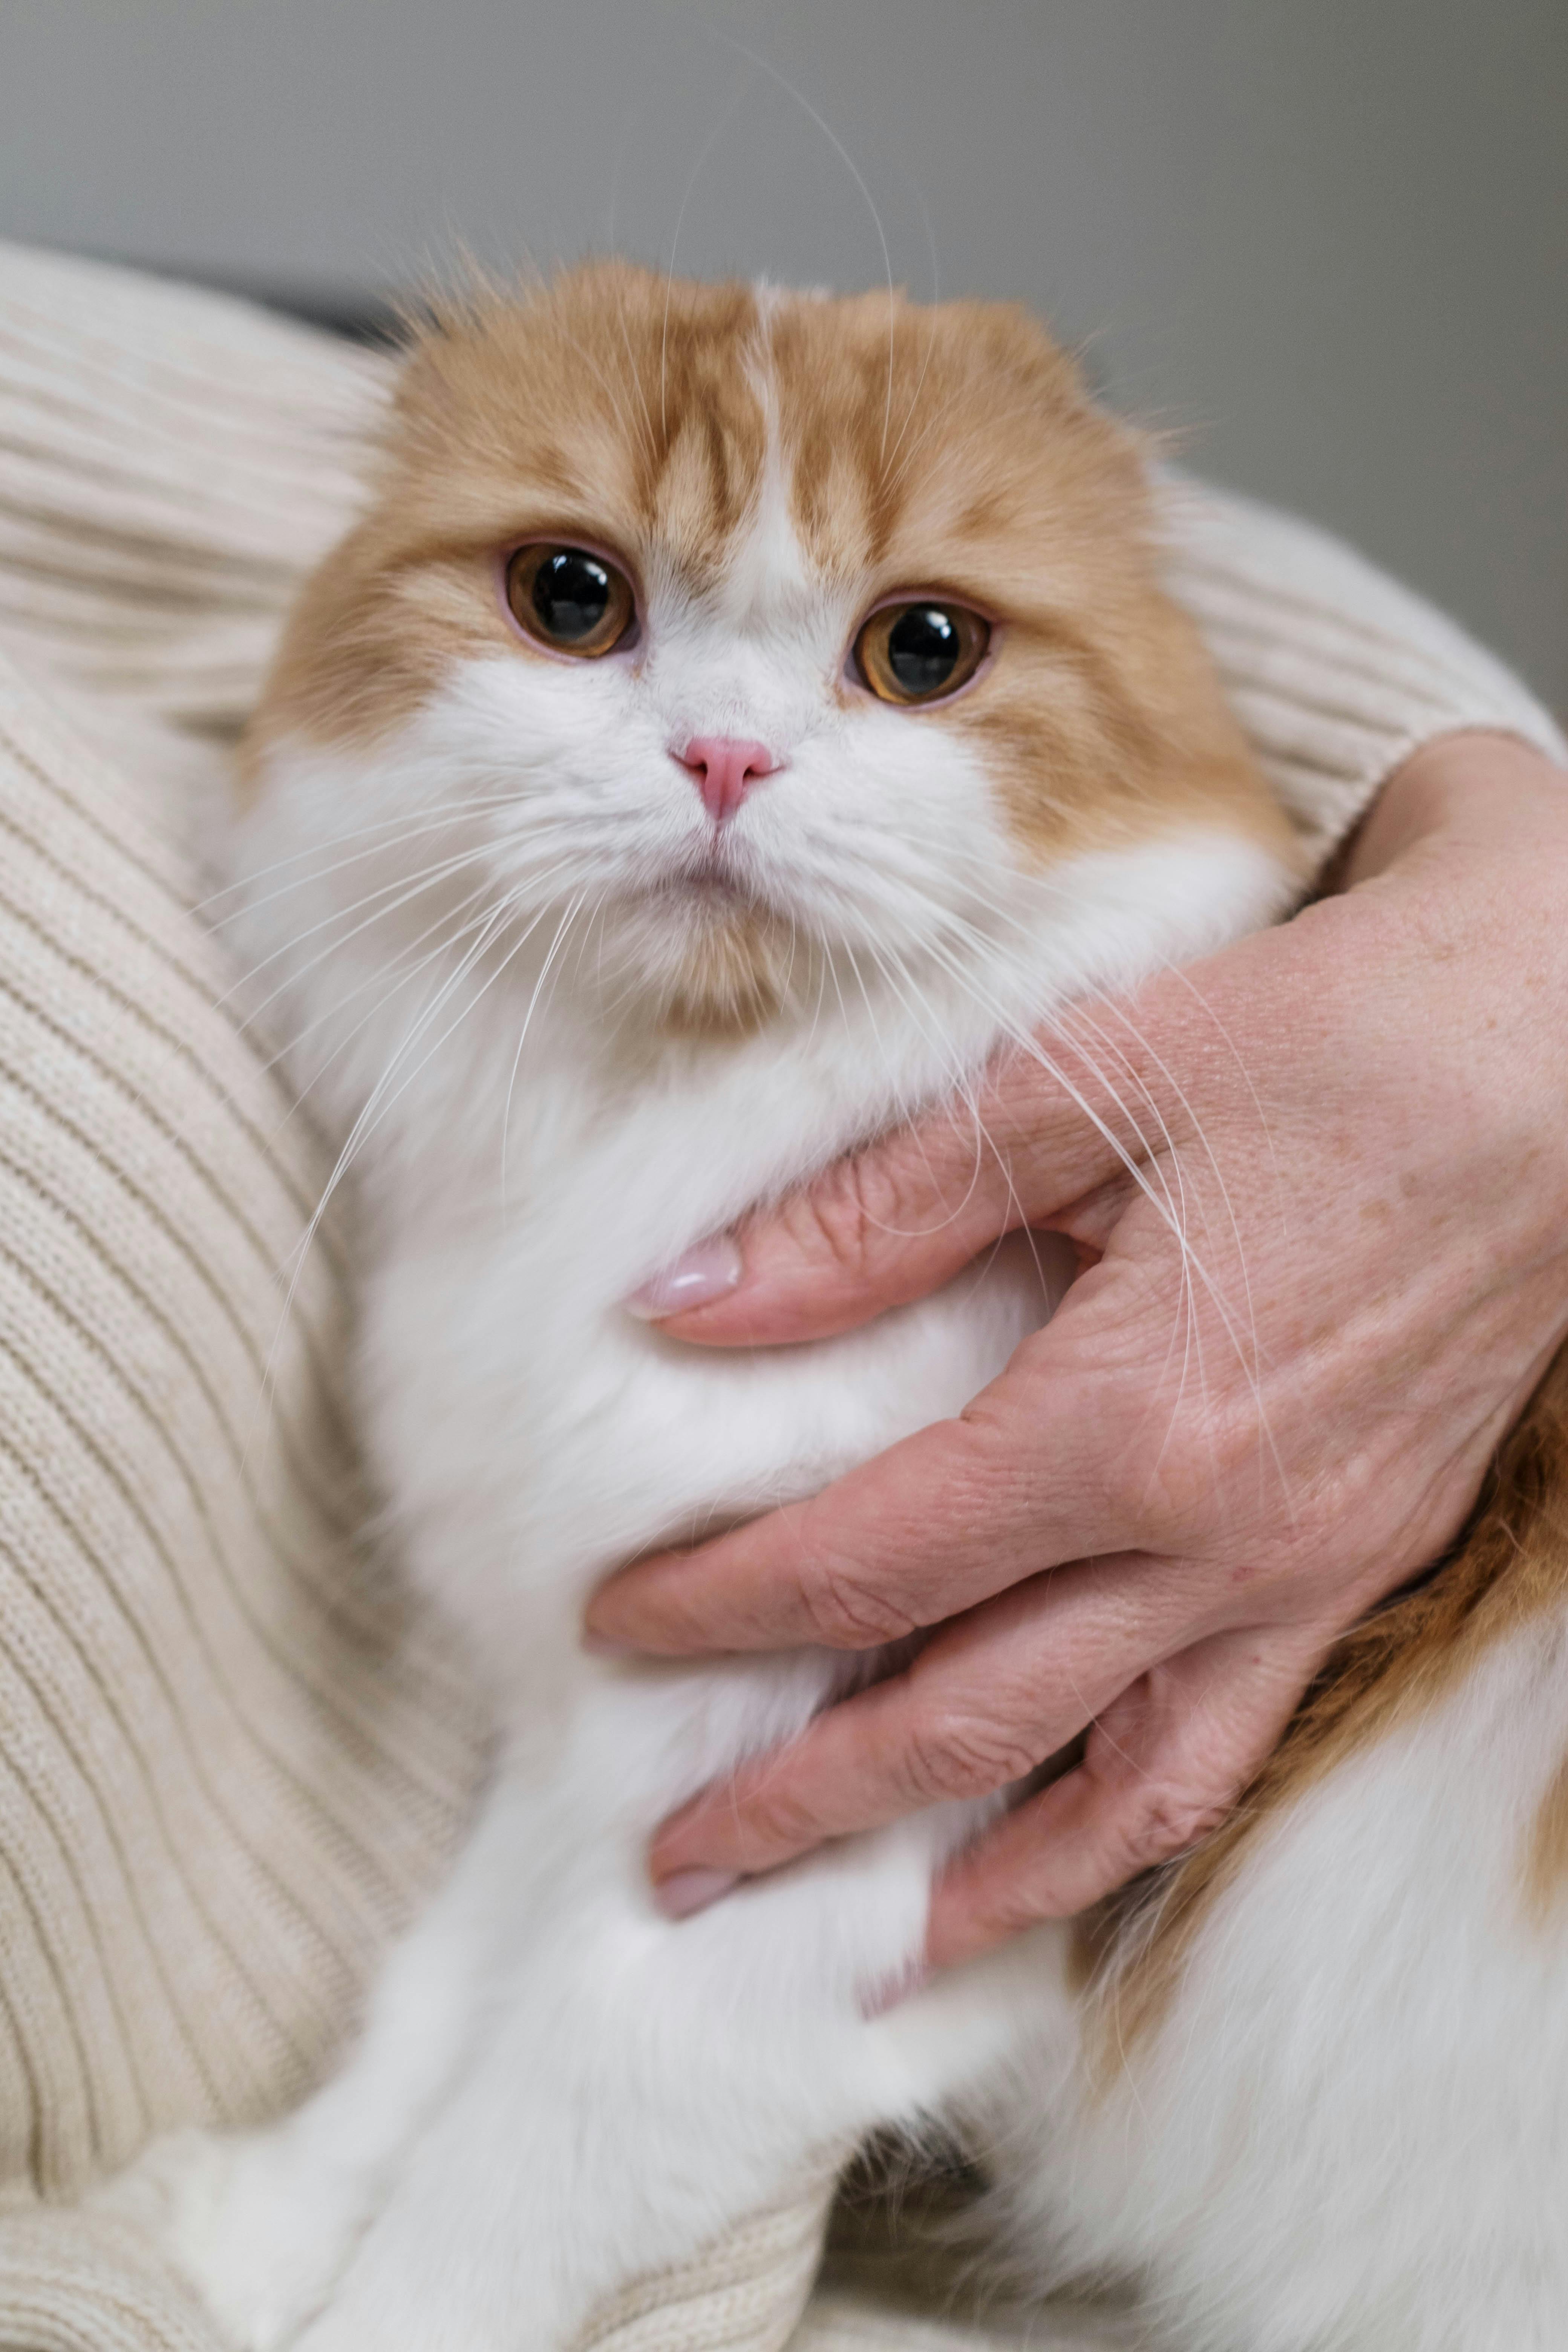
x: 1219, y: 1453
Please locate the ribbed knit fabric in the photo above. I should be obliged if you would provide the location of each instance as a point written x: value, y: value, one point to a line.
x: 746, y: 2295
x: 844, y: 2323
x: 233, y: 1754
x: 73, y: 2284
x: 1335, y: 671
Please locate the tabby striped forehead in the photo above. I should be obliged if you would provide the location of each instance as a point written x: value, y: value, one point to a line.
x: 902, y: 443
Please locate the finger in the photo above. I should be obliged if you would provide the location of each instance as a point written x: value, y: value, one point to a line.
x: 991, y: 1697
x: 1027, y: 1478
x: 897, y: 1220
x: 1163, y: 1768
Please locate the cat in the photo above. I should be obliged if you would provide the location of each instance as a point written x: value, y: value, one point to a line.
x: 738, y: 716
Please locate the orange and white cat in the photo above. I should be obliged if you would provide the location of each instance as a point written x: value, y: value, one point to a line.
x: 738, y: 715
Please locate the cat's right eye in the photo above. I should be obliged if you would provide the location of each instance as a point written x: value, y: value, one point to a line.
x: 919, y: 652
x: 569, y: 599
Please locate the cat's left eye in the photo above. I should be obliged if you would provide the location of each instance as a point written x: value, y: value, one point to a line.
x: 570, y: 599
x: 921, y: 651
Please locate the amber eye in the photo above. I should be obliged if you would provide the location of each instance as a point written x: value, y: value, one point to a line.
x: 569, y: 599
x: 919, y: 651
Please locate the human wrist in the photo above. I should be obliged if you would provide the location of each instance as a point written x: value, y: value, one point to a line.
x: 1445, y: 789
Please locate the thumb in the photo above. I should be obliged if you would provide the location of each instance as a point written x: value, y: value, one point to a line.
x: 895, y: 1221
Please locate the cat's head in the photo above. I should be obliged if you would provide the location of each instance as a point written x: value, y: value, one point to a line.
x: 765, y: 634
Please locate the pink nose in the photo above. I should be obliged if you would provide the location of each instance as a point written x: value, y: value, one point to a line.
x: 724, y: 768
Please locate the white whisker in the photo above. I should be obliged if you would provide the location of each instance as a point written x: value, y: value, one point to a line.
x: 397, y: 895
x: 767, y: 66
x: 561, y: 928
x: 400, y: 828
x: 721, y: 123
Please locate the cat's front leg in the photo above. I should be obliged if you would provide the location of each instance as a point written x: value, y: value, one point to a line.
x: 645, y: 2087
x: 262, y: 2223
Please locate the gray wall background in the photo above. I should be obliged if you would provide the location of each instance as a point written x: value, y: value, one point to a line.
x: 1325, y: 242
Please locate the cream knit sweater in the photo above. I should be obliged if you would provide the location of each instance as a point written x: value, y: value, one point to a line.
x: 232, y: 1755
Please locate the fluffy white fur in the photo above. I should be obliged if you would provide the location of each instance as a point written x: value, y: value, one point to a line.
x: 558, y: 2089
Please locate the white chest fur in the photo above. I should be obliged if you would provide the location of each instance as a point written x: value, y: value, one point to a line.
x: 533, y: 1436
x: 521, y: 1172
x: 558, y: 2088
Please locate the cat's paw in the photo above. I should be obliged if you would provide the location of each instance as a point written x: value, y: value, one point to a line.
x: 243, y: 2223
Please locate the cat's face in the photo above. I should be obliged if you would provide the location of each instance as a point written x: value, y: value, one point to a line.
x: 767, y: 633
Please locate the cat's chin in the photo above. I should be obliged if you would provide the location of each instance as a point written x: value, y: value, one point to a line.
x: 707, y: 958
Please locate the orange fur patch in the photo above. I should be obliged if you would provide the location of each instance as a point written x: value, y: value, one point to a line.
x: 1510, y: 1565
x: 949, y: 446
x: 954, y: 448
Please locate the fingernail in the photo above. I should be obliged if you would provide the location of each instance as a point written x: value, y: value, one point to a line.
x: 706, y: 1272
x: 688, y: 1891
x: 606, y: 1645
